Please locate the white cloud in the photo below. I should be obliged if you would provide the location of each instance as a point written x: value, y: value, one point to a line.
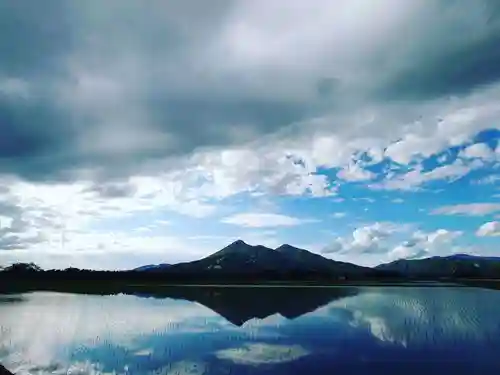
x: 366, y: 239
x: 106, y: 250
x: 162, y: 222
x: 414, y: 179
x: 478, y: 150
x: 424, y: 244
x: 353, y: 172
x: 490, y: 180
x: 263, y: 220
x: 339, y: 215
x: 489, y: 229
x: 383, y: 240
x: 458, y: 123
x: 260, y: 169
x: 468, y: 209
x: 58, y: 225
x: 286, y: 162
x: 405, y: 150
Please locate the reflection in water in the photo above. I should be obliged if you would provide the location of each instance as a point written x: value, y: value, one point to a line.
x: 258, y: 354
x: 253, y: 331
x: 422, y: 316
x: 239, y: 305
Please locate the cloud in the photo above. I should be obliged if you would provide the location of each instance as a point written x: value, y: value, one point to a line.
x: 383, y: 239
x: 489, y: 229
x: 423, y: 244
x: 354, y: 172
x: 416, y: 178
x: 111, y: 99
x: 262, y: 168
x: 468, y: 209
x: 178, y: 107
x: 367, y: 239
x: 339, y: 215
x: 490, y: 180
x: 263, y: 220
x: 478, y: 150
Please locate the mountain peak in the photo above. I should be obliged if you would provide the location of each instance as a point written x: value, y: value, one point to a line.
x: 239, y: 243
x: 287, y: 247
x: 240, y: 247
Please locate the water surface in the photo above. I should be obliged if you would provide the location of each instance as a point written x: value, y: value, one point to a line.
x: 371, y: 330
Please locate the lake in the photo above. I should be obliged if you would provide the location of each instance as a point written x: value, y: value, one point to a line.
x: 190, y: 330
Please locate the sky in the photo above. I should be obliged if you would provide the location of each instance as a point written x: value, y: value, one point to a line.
x: 134, y: 132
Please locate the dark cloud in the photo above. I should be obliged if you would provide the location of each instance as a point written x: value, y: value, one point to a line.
x: 113, y: 190
x: 108, y: 86
x: 460, y: 55
x: 456, y: 73
x: 41, y: 133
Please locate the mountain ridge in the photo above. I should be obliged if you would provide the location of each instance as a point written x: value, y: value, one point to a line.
x: 152, y: 267
x: 455, y: 265
x: 242, y: 258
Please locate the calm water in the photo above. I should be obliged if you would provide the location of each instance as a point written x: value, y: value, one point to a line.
x: 418, y: 330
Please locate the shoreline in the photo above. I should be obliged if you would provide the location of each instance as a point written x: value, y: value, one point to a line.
x: 132, y: 286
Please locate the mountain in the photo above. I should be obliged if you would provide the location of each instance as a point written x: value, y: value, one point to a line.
x: 472, y: 257
x: 457, y: 265
x: 4, y: 371
x: 240, y: 258
x: 153, y: 267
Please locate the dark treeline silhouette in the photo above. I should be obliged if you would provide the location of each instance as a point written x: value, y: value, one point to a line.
x: 22, y: 274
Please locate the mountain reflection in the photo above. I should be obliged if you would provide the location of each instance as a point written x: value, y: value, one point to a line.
x: 239, y: 305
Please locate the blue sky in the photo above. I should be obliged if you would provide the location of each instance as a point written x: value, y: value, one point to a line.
x: 152, y: 133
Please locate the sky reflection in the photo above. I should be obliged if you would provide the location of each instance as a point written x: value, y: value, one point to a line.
x: 60, y: 333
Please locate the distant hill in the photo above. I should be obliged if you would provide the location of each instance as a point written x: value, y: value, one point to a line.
x: 153, y: 267
x: 472, y: 257
x: 457, y: 265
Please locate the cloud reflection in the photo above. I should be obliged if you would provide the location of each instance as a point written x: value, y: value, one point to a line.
x: 413, y: 317
x: 40, y: 330
x: 83, y: 334
x: 259, y: 354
